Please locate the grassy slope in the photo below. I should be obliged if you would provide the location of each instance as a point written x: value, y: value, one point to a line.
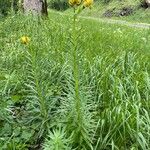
x: 140, y: 15
x: 115, y: 70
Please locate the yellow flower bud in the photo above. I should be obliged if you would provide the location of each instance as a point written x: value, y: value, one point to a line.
x: 87, y: 3
x: 74, y: 2
x: 25, y: 40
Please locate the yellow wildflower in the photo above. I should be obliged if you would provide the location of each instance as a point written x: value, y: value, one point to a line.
x: 87, y: 3
x: 74, y: 2
x: 25, y: 40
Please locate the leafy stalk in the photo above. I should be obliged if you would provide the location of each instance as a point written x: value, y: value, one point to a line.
x: 76, y: 71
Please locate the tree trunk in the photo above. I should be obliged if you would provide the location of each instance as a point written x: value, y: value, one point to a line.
x: 35, y: 7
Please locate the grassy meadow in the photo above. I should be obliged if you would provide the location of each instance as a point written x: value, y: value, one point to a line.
x: 82, y: 86
x: 110, y: 10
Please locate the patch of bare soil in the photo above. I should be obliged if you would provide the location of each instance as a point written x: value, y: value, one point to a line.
x: 125, y: 11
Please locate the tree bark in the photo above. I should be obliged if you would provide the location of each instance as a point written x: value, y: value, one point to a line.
x: 35, y: 7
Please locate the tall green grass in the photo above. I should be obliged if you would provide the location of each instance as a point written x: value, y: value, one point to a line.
x: 63, y: 91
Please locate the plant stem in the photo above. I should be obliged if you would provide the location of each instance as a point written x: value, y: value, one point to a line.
x: 43, y: 109
x: 76, y: 71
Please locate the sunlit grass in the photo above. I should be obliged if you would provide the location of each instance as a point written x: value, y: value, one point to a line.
x: 37, y: 85
x: 139, y: 15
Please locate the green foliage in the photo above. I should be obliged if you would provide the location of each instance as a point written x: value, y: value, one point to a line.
x: 58, y: 4
x: 5, y: 6
x: 57, y: 140
x: 8, y: 5
x: 88, y: 90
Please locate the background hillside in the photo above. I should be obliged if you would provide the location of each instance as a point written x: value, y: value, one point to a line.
x: 132, y: 10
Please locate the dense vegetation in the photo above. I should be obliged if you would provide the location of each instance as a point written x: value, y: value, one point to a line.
x: 6, y: 6
x: 83, y: 87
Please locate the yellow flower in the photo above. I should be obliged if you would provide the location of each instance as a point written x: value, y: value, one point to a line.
x: 87, y: 3
x: 25, y: 40
x: 74, y: 2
